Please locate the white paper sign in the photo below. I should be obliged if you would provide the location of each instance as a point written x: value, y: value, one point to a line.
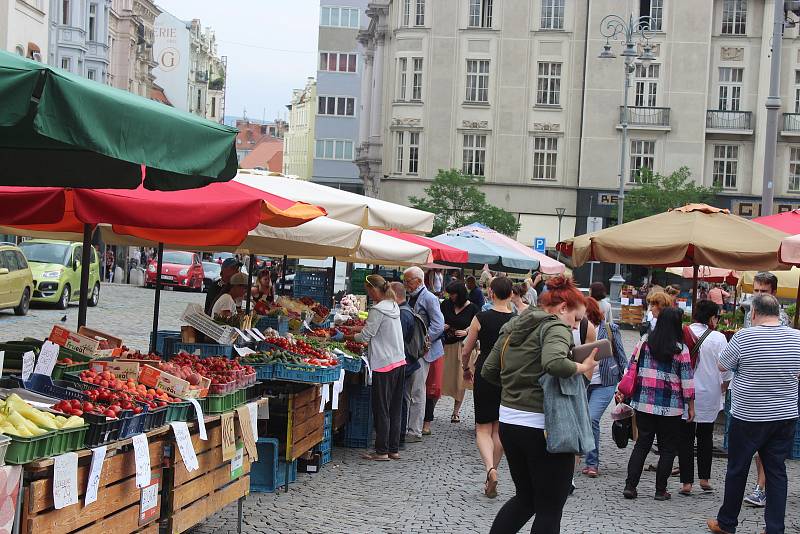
x: 237, y: 462
x: 323, y: 399
x: 241, y: 334
x: 185, y: 445
x: 47, y: 359
x: 244, y: 351
x: 263, y: 410
x: 253, y: 407
x: 28, y: 361
x: 625, y: 301
x: 65, y: 480
x: 2, y: 360
x: 141, y: 452
x: 256, y: 335
x: 201, y: 420
x: 682, y: 304
x: 96, y: 469
x: 149, y: 498
x: 637, y: 302
x: 369, y: 371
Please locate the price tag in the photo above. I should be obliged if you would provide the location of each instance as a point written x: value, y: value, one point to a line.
x: 47, y: 359
x: 96, y: 469
x: 256, y: 335
x: 28, y: 361
x: 148, y: 503
x: 65, y: 480
x: 201, y: 421
x: 185, y: 446
x: 253, y: 407
x: 237, y: 463
x: 625, y: 301
x: 141, y: 452
x: 247, y: 432
x: 682, y: 304
x: 228, y: 435
x: 244, y: 351
x: 241, y: 334
x: 637, y: 302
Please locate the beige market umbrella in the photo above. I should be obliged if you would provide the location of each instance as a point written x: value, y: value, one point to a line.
x: 788, y: 282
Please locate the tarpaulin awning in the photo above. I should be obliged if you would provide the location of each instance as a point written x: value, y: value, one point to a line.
x: 696, y: 234
x: 789, y: 252
x: 708, y: 274
x: 439, y: 251
x: 381, y: 249
x: 788, y: 282
x: 367, y: 212
x: 483, y: 252
x: 788, y: 221
x: 59, y: 129
x: 547, y: 265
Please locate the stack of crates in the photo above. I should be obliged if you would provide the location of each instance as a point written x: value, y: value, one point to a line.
x: 312, y: 284
x: 358, y: 277
x: 269, y: 472
x: 358, y: 433
x: 324, y: 448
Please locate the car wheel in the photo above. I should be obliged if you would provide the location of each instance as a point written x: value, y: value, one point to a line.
x: 95, y: 297
x: 24, y: 303
x: 63, y: 302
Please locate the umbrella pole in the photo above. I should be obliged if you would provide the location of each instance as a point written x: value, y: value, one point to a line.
x: 157, y: 297
x: 333, y: 281
x: 86, y: 260
x: 250, y: 269
x: 284, y: 266
x: 695, y: 270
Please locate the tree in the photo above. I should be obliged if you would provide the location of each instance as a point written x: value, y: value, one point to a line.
x: 456, y: 200
x: 658, y: 193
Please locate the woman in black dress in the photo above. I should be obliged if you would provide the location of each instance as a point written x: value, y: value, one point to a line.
x: 458, y: 313
x: 485, y: 328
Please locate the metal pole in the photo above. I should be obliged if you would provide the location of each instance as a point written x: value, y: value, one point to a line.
x: 239, y: 504
x: 333, y: 282
x: 773, y: 105
x: 284, y: 266
x: 157, y: 297
x: 617, y: 280
x: 250, y: 269
x: 695, y: 271
x: 86, y: 260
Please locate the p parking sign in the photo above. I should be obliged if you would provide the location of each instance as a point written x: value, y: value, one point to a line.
x: 540, y: 244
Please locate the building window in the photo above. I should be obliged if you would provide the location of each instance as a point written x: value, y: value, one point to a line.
x: 337, y: 62
x: 416, y: 80
x: 545, y: 154
x: 726, y: 163
x: 552, y: 16
x: 400, y: 159
x: 794, y: 170
x: 199, y: 96
x: 65, y: 12
x: 338, y: 149
x: 339, y: 17
x: 474, y: 154
x: 407, y: 153
x: 93, y: 22
x: 646, y: 85
x: 730, y: 88
x: 654, y: 11
x: 66, y: 63
x: 797, y: 91
x: 413, y: 13
x: 337, y: 105
x: 480, y: 13
x: 548, y: 90
x: 642, y: 157
x: 413, y: 152
x: 91, y: 74
x: 402, y: 77
x: 213, y: 106
x: 477, y: 80
x: 734, y: 17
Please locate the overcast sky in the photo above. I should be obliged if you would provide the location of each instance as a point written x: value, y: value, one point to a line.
x: 271, y: 47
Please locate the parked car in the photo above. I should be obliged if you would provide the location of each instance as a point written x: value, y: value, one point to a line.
x: 16, y: 280
x: 179, y: 269
x: 56, y: 268
x: 211, y: 273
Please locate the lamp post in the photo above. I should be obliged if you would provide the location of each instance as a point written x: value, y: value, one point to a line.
x: 560, y: 214
x: 629, y: 33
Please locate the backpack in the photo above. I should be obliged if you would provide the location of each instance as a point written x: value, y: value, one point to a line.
x: 417, y: 345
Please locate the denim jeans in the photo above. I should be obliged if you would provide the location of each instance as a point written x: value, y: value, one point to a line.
x: 772, y: 440
x: 599, y: 399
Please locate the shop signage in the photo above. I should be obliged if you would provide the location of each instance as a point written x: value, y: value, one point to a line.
x: 607, y: 199
x: 748, y: 208
x: 540, y: 244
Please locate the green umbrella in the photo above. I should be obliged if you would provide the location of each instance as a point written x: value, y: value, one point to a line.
x: 58, y: 129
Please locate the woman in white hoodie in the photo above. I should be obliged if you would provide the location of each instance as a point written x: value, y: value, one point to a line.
x: 384, y: 334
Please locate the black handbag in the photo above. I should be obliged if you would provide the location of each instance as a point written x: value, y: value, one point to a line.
x: 622, y: 432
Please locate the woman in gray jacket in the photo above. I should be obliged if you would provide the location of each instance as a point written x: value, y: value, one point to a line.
x: 384, y: 334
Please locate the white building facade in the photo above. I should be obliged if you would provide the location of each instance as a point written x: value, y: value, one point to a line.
x: 298, y: 141
x: 131, y: 45
x: 24, y: 27
x: 79, y: 37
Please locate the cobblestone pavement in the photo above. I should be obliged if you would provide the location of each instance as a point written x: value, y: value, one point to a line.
x: 436, y: 487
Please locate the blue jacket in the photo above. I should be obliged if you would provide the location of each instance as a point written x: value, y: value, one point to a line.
x: 427, y: 305
x: 407, y: 322
x: 612, y: 369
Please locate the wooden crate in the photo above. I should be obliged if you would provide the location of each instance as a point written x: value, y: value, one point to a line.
x: 116, y: 509
x: 342, y: 415
x: 192, y: 497
x: 305, y: 424
x: 632, y: 315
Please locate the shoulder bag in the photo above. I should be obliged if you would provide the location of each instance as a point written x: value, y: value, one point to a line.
x: 627, y: 385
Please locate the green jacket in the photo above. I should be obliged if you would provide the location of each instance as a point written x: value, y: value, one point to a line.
x: 525, y: 360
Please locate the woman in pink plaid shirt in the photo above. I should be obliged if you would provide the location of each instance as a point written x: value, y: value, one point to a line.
x: 664, y: 389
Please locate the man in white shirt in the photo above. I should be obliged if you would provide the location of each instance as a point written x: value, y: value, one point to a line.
x: 226, y: 304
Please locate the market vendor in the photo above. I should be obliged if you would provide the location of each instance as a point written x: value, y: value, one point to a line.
x: 226, y: 304
x: 263, y: 289
x: 230, y: 267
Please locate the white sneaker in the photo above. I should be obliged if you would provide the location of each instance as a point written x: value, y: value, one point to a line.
x: 757, y: 498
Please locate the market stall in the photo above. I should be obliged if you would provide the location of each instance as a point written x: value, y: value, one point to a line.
x: 547, y: 265
x: 484, y: 252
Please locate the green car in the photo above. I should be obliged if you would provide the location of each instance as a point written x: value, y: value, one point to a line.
x: 56, y: 269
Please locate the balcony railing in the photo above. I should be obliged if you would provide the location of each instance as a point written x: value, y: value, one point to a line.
x: 717, y: 119
x: 201, y: 76
x: 645, y: 116
x: 791, y: 122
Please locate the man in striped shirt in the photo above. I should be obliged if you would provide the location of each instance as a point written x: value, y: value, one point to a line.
x: 765, y: 360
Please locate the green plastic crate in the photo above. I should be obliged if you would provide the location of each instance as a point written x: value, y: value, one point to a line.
x: 216, y: 404
x: 68, y: 440
x: 178, y: 411
x: 60, y: 369
x: 23, y: 450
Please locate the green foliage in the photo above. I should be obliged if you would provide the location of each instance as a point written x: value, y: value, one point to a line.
x: 658, y: 193
x: 456, y: 200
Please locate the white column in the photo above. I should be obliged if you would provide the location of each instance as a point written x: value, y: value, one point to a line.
x: 376, y: 109
x: 366, y: 98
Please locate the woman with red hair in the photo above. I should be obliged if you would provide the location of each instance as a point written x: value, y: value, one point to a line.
x: 533, y: 344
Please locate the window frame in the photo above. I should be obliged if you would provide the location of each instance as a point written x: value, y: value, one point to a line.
x: 653, y: 6
x: 66, y: 12
x: 638, y: 157
x: 483, y: 18
x: 91, y: 74
x: 333, y: 145
x: 348, y: 56
x: 794, y: 165
x: 417, y: 78
x: 729, y: 91
x: 477, y: 82
x: 92, y: 23
x: 473, y: 155
x: 735, y: 11
x: 548, y: 83
x: 402, y: 79
x: 545, y: 158
x: 725, y: 166
x: 645, y: 85
x: 68, y: 63
x: 339, y: 10
x: 337, y: 101
x: 551, y: 15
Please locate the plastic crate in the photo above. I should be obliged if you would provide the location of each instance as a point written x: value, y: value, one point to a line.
x: 44, y: 385
x: 68, y: 440
x: 311, y: 278
x: 326, y: 457
x: 101, y: 429
x: 132, y: 424
x: 155, y: 418
x: 318, y: 293
x: 359, y: 429
x: 161, y: 336
x: 23, y: 450
x: 216, y: 404
x: 306, y: 373
x: 351, y: 365
x: 60, y: 369
x: 178, y: 411
x: 264, y: 371
x: 269, y: 472
x: 204, y: 350
x: 279, y: 324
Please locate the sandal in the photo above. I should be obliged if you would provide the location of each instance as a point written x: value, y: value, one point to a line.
x: 455, y: 418
x: 394, y: 456
x: 706, y: 487
x: 375, y: 457
x: 491, y: 485
x: 591, y: 472
x: 426, y: 432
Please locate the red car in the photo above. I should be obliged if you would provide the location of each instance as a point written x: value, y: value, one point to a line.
x: 178, y: 269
